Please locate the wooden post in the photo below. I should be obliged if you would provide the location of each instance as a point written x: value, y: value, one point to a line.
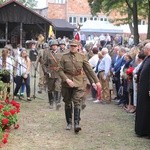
x: 21, y: 29
x: 6, y: 33
x: 45, y: 35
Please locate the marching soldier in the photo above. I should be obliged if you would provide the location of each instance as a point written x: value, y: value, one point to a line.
x: 71, y: 70
x: 39, y: 61
x: 50, y: 65
x: 62, y: 47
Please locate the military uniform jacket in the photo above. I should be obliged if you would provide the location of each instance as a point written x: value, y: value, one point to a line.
x: 50, y: 63
x: 72, y: 67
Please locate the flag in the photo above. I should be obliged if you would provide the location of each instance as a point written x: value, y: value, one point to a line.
x: 51, y: 33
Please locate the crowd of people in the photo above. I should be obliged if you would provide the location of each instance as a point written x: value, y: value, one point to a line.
x: 68, y: 69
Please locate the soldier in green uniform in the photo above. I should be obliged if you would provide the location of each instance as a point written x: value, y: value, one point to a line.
x: 71, y: 69
x: 62, y: 47
x: 51, y: 59
x: 39, y: 65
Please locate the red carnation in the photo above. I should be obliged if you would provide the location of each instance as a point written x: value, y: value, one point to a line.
x: 1, y: 106
x: 12, y: 111
x: 5, y: 121
x: 4, y: 140
x: 6, y: 113
x: 129, y: 71
x: 16, y: 126
x: 13, y: 102
x: 6, y: 135
x: 17, y: 110
x: 17, y: 105
x: 7, y: 101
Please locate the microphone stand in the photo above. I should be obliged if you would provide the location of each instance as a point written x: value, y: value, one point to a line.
x: 35, y: 70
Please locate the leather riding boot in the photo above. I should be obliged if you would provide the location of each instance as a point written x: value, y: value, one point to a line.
x: 50, y: 98
x: 68, y: 114
x: 57, y: 96
x: 77, y: 128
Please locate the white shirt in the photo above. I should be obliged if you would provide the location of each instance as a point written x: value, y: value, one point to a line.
x: 93, y: 61
x: 105, y: 64
x: 22, y: 66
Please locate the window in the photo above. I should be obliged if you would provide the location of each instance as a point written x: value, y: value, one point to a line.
x: 91, y: 18
x: 60, y: 1
x: 105, y: 19
x: 101, y: 19
x: 95, y: 18
x: 72, y: 20
x: 83, y: 19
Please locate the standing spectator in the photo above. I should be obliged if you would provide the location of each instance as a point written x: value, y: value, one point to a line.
x: 102, y: 39
x: 22, y: 67
x: 139, y: 61
x: 104, y: 75
x: 93, y: 62
x: 142, y: 121
x: 108, y: 39
x: 131, y: 41
x: 33, y: 56
x: 117, y: 66
x: 71, y: 66
x: 6, y: 68
x: 83, y: 39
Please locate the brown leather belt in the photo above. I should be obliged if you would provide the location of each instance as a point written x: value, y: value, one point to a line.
x: 73, y: 74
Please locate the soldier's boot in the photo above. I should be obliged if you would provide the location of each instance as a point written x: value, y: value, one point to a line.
x: 68, y: 114
x: 40, y: 90
x: 57, y: 99
x: 77, y: 127
x: 50, y: 98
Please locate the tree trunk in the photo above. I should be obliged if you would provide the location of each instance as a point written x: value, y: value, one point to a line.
x: 135, y: 22
x: 131, y: 28
x: 148, y: 30
x: 130, y: 16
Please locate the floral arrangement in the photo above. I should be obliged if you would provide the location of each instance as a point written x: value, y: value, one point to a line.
x: 8, y: 118
x: 129, y: 71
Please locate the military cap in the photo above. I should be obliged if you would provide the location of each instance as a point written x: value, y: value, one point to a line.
x: 62, y: 42
x: 53, y: 42
x: 74, y: 42
x: 45, y: 45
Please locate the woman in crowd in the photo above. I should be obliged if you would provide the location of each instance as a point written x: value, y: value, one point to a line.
x: 6, y: 67
x: 22, y: 73
x: 124, y: 100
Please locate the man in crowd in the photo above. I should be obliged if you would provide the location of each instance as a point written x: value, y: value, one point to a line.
x: 142, y: 121
x: 71, y: 69
x: 104, y: 75
x: 51, y: 58
x: 117, y: 67
x: 33, y: 56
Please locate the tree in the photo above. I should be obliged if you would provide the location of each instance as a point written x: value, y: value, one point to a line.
x: 27, y: 3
